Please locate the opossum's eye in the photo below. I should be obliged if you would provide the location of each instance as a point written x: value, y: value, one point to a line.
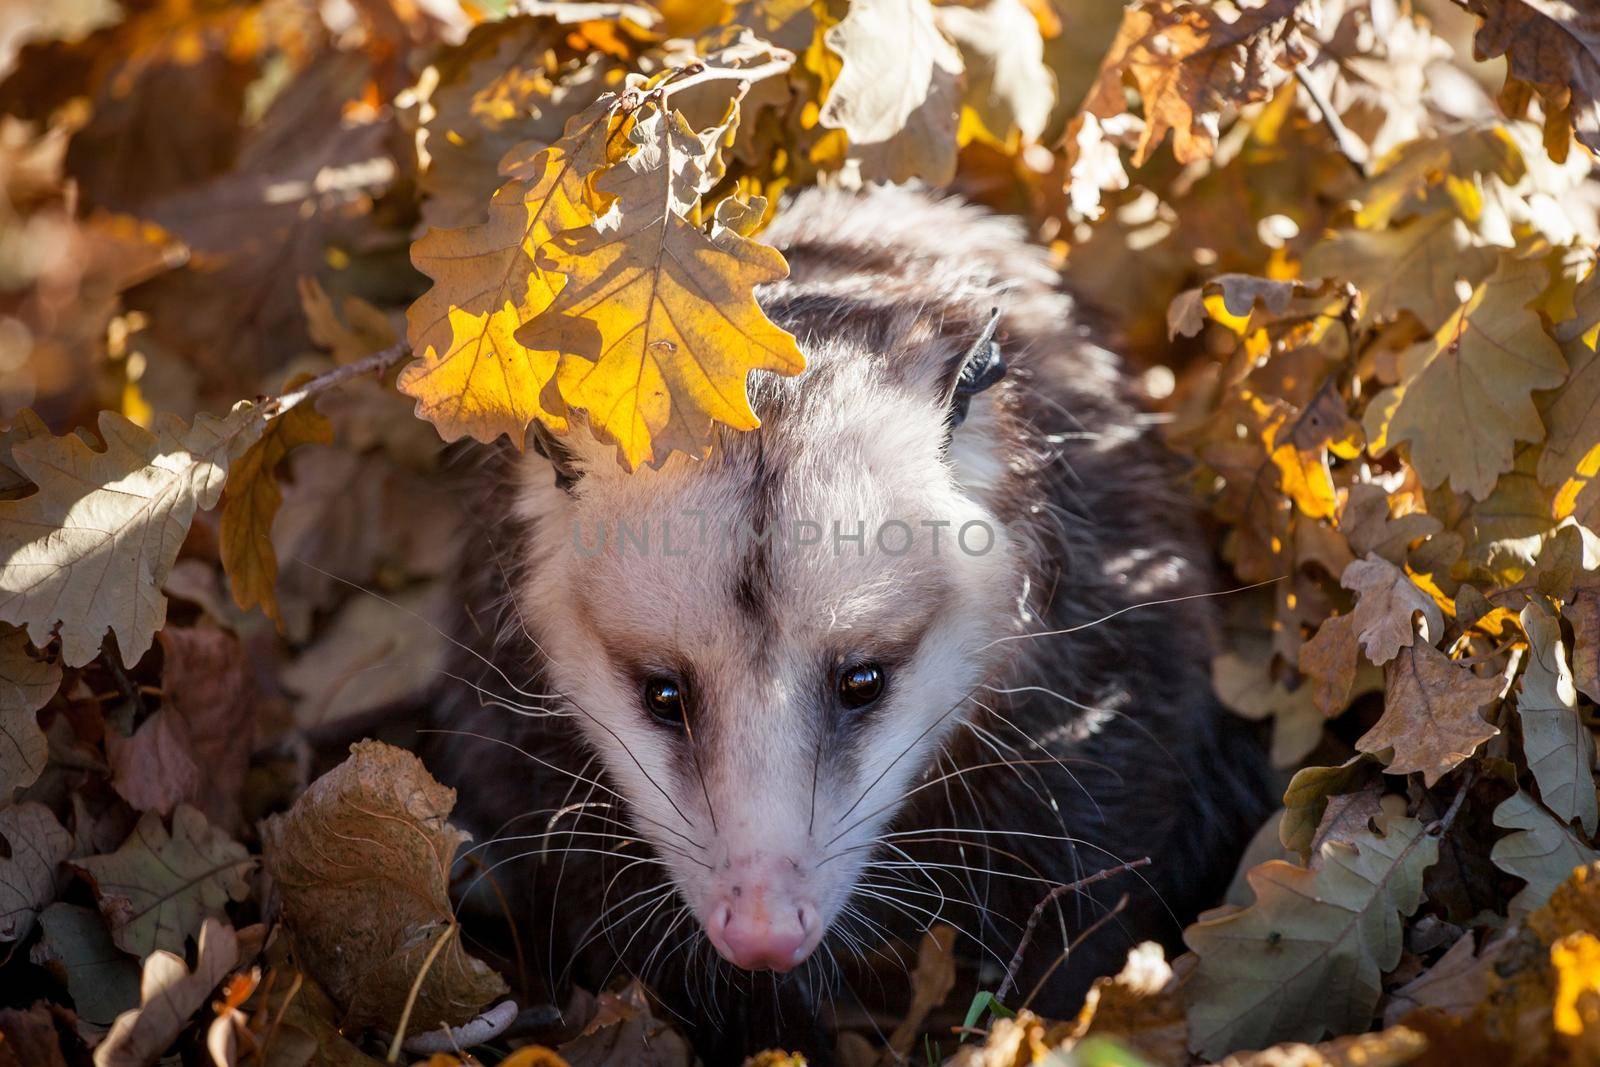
x: 663, y: 699
x: 860, y: 685
x: 980, y: 366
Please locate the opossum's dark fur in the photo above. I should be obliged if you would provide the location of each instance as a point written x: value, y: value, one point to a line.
x: 1150, y: 765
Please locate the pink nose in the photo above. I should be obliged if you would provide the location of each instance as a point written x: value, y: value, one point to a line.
x: 757, y: 928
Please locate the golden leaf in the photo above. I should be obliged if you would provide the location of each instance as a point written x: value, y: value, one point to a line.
x: 1552, y: 46
x: 250, y: 502
x: 471, y: 377
x: 657, y: 325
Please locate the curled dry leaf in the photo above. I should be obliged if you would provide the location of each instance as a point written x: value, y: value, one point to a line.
x: 1190, y: 63
x: 1431, y: 713
x: 27, y: 682
x: 362, y: 862
x: 624, y: 1031
x: 118, y: 516
x: 169, y: 993
x: 37, y: 845
x: 1266, y: 971
x: 157, y: 889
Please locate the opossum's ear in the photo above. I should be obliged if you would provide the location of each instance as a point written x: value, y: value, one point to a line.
x: 550, y: 447
x: 978, y: 368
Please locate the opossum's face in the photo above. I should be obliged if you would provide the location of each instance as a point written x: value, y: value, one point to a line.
x: 767, y: 648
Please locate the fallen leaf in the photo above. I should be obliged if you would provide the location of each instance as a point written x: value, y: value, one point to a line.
x: 1386, y: 605
x: 1456, y: 984
x: 657, y: 325
x: 1141, y: 1007
x: 1412, y: 268
x: 1306, y: 799
x: 29, y: 1038
x: 1431, y: 713
x: 1559, y: 746
x: 168, y: 995
x: 1189, y: 64
x: 1265, y: 971
x: 76, y: 947
x: 1329, y: 660
x: 625, y: 1032
x: 1540, y: 850
x: 1365, y: 521
x: 898, y: 93
x: 931, y: 983
x: 1464, y: 399
x: 117, y: 518
x: 362, y: 862
x: 1393, y: 1047
x: 1584, y: 614
x: 1571, y: 456
x: 251, y: 499
x: 153, y: 770
x: 36, y: 845
x: 27, y: 682
x: 156, y: 889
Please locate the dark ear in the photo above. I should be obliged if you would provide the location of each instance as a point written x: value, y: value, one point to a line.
x: 549, y: 446
x: 978, y: 368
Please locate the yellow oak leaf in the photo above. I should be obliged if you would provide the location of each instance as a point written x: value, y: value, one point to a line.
x: 1430, y: 713
x: 657, y: 325
x: 1464, y: 398
x: 899, y: 92
x: 1189, y: 63
x: 471, y: 377
x: 250, y: 502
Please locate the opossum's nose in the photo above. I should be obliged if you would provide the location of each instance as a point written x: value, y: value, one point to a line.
x: 761, y: 919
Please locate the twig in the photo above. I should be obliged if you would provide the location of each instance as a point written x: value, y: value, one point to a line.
x: 1437, y: 829
x: 377, y: 363
x: 1121, y: 905
x: 416, y: 989
x: 1343, y: 139
x: 1038, y: 913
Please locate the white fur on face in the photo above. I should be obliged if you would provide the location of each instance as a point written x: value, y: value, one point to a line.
x: 773, y: 769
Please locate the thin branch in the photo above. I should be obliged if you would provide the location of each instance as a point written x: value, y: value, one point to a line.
x: 1438, y: 829
x: 1092, y: 929
x: 1038, y: 913
x: 1349, y: 147
x: 377, y: 363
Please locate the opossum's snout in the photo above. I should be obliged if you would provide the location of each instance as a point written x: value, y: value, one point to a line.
x: 762, y: 914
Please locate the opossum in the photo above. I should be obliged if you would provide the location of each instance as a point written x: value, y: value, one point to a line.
x: 929, y: 643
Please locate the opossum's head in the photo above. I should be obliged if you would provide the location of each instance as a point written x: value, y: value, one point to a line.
x: 768, y: 647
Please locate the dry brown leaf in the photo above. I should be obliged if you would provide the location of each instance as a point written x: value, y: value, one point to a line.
x: 898, y: 93
x: 168, y: 995
x: 1432, y: 713
x: 1366, y: 523
x: 27, y: 682
x: 1139, y: 1007
x: 29, y: 1038
x: 931, y: 983
x: 1190, y: 64
x: 251, y: 499
x: 1557, y: 742
x: 362, y: 862
x: 1393, y: 1047
x: 1584, y: 614
x: 624, y: 1031
x: 158, y: 887
x: 1387, y: 602
x: 1456, y: 984
x: 1554, y: 47
x: 1465, y: 395
x: 36, y: 845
